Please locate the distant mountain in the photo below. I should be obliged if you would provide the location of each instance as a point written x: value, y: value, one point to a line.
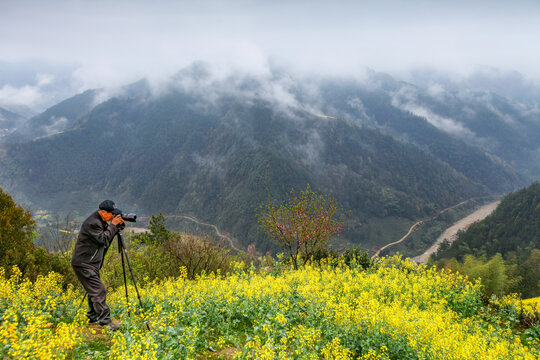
x: 56, y: 119
x: 30, y: 87
x: 380, y: 105
x: 68, y: 113
x: 8, y: 122
x: 506, y: 83
x: 502, y: 127
x: 215, y: 148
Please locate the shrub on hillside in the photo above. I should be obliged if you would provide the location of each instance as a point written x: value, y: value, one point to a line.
x: 496, y: 276
x: 356, y: 257
x: 17, y: 234
x: 303, y: 225
x: 160, y: 260
x: 197, y: 255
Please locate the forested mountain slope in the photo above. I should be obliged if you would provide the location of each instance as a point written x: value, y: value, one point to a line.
x: 512, y: 230
x: 215, y: 148
x: 8, y: 122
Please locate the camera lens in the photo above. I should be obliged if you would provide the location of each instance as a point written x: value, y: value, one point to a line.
x: 129, y: 217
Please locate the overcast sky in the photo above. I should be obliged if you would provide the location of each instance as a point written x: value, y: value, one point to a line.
x: 116, y: 41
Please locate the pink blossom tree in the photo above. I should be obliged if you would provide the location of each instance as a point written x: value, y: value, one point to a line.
x: 303, y: 224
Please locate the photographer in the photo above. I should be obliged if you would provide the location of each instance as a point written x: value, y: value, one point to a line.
x: 94, y: 238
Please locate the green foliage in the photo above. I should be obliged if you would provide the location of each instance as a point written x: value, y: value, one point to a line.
x: 16, y: 235
x: 512, y: 231
x: 497, y: 277
x: 356, y: 257
x: 529, y: 273
x: 493, y: 273
x: 162, y: 254
x: 158, y: 231
x: 303, y: 225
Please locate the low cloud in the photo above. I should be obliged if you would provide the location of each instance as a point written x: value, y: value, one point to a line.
x: 406, y: 99
x: 213, y: 83
x: 116, y: 42
x: 16, y: 96
x: 56, y: 125
x: 36, y: 96
x: 437, y: 91
x: 310, y: 151
x: 356, y: 104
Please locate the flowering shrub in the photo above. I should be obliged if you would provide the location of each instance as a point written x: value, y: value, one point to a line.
x: 303, y: 225
x: 395, y: 310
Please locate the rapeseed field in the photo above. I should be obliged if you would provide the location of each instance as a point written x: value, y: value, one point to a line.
x: 394, y: 310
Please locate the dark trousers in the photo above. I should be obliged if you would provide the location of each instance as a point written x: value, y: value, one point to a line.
x: 98, y: 309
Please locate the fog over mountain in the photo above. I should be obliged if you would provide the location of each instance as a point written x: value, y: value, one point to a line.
x: 398, y: 108
x: 209, y: 143
x: 57, y: 47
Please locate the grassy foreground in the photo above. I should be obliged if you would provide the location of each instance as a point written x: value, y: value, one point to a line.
x: 394, y: 310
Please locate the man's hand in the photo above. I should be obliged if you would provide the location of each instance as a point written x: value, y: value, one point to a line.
x: 117, y: 220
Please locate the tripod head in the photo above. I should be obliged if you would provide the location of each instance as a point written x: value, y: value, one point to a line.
x: 121, y: 243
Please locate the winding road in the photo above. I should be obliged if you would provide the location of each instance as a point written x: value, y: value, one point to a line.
x: 195, y: 220
x: 449, y: 234
x: 413, y: 228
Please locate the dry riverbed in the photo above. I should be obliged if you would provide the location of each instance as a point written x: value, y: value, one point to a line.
x: 452, y: 231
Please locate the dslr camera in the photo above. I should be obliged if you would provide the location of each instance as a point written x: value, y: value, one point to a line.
x: 129, y: 217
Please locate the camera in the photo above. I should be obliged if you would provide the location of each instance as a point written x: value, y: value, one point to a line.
x: 129, y: 217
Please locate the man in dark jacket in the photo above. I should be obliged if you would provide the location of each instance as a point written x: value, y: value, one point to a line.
x: 94, y: 238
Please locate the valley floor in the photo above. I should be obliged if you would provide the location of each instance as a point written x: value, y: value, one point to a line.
x: 451, y: 233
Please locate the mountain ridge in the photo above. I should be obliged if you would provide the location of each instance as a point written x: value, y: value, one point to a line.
x: 217, y: 147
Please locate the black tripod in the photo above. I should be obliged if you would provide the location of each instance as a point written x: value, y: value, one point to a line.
x: 123, y: 253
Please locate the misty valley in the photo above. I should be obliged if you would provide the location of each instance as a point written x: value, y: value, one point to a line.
x: 198, y: 156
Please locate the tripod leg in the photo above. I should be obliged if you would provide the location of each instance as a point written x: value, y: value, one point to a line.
x: 122, y: 246
x: 82, y: 302
x: 125, y: 281
x: 133, y: 278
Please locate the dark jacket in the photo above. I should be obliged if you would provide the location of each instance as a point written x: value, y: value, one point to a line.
x: 94, y: 238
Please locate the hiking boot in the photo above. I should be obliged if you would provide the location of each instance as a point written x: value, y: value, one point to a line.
x: 110, y: 324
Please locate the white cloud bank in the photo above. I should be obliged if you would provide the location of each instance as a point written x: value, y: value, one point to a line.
x: 118, y: 41
x: 406, y: 99
x: 13, y: 96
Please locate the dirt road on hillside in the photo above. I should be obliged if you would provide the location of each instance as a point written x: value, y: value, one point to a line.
x: 452, y: 231
x: 411, y: 230
x: 219, y: 233
x: 138, y: 230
